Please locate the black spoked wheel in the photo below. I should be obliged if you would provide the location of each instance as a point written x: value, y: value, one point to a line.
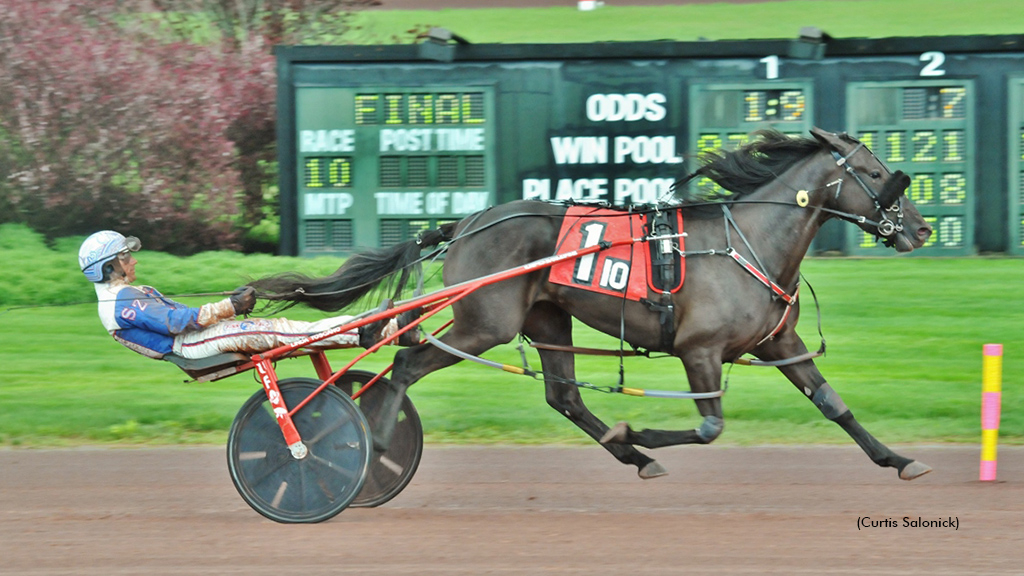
x: 391, y: 471
x: 311, y: 489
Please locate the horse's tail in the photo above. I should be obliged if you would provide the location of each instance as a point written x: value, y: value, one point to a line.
x: 360, y: 274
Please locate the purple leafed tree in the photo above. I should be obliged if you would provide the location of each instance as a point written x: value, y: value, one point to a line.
x: 110, y: 118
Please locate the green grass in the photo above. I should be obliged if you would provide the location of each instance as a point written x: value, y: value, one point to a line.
x: 717, y: 21
x: 904, y: 338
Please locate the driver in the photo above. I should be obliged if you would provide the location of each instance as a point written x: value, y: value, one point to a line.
x: 142, y: 319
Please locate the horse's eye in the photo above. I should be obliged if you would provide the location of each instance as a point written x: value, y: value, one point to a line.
x: 876, y: 174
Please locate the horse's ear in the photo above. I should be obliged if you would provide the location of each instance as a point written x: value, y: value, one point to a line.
x: 830, y: 139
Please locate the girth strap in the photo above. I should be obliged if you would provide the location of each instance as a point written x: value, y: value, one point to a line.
x: 666, y: 317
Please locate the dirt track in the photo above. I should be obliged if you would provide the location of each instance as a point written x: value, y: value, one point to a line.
x: 546, y: 510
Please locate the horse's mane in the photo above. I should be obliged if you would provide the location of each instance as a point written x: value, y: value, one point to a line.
x: 742, y: 171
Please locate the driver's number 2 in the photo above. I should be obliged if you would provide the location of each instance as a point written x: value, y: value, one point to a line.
x: 129, y: 313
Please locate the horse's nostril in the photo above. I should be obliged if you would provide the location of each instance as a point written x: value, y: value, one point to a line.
x: 924, y: 232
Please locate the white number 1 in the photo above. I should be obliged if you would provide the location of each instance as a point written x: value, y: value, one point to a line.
x: 592, y: 234
x: 771, y: 67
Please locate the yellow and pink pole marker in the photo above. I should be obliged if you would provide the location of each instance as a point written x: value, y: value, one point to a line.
x: 991, y: 401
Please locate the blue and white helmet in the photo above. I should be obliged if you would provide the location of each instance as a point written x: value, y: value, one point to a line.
x: 102, y: 247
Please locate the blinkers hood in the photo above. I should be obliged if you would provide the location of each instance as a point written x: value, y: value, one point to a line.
x: 894, y: 186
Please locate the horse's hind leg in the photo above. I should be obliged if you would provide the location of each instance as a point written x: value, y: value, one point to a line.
x: 704, y: 372
x: 490, y: 316
x: 806, y: 377
x: 414, y: 363
x: 551, y: 325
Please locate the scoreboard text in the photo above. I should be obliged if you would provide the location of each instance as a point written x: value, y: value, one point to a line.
x: 377, y: 143
x: 389, y: 163
x: 925, y: 129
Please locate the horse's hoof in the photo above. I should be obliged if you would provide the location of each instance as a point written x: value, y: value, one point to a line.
x: 616, y: 434
x: 652, y: 470
x: 914, y: 470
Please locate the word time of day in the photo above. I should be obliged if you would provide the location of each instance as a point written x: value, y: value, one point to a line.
x: 398, y: 203
x: 435, y: 203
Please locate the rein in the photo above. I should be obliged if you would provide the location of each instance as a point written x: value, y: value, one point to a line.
x: 81, y: 302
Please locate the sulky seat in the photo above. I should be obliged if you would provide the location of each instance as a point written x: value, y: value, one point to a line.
x: 212, y: 367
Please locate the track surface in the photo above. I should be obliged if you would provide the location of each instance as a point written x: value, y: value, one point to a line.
x: 536, y: 510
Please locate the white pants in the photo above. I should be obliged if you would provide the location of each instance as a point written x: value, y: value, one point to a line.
x: 256, y: 335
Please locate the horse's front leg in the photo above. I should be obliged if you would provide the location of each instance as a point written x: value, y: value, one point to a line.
x: 806, y: 377
x: 704, y: 372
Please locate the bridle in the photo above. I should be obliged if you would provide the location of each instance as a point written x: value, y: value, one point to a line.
x: 885, y: 227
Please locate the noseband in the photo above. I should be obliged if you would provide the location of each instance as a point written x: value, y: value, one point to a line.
x: 885, y: 227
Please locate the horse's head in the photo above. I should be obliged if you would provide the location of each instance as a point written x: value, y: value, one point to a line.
x: 873, y: 194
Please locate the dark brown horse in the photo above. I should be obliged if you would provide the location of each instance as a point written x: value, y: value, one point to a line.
x: 782, y: 191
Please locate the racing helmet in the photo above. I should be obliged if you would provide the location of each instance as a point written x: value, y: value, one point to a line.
x: 102, y: 247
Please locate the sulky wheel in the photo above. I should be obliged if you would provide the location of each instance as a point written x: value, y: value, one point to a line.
x: 316, y: 487
x: 391, y: 471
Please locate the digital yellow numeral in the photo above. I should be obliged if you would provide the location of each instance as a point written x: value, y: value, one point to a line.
x: 339, y: 173
x: 867, y: 240
x: 954, y: 145
x: 736, y: 140
x: 314, y: 176
x: 924, y: 146
x: 951, y: 231
x: 932, y: 221
x: 709, y: 142
x: 953, y: 188
x: 793, y: 105
x: 755, y: 106
x: 704, y: 143
x: 868, y: 139
x: 922, y: 189
x: 951, y: 99
x: 895, y: 147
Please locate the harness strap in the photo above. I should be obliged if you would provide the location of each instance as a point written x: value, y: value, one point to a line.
x: 620, y: 389
x: 756, y: 272
x: 728, y: 242
x: 778, y: 290
x: 784, y: 362
x: 782, y: 321
x: 582, y: 350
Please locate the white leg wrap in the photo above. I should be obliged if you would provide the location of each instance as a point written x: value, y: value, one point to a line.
x: 710, y: 428
x: 829, y: 402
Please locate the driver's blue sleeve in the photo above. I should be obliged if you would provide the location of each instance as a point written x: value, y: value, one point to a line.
x: 145, y: 308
